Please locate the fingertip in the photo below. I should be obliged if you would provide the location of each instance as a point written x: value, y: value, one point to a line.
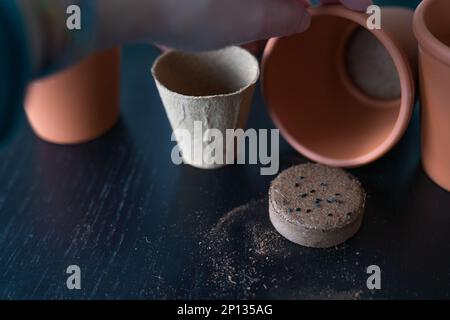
x: 283, y: 18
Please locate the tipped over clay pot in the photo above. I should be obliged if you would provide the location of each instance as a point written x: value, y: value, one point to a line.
x: 207, y: 90
x: 432, y: 29
x: 78, y: 104
x: 341, y: 94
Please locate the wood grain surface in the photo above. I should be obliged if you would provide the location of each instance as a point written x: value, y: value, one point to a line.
x: 137, y: 225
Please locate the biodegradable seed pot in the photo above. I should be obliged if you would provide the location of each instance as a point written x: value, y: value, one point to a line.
x: 78, y: 104
x: 206, y: 92
x: 341, y: 94
x: 432, y: 29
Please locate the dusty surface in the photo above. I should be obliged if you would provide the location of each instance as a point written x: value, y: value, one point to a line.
x: 247, y: 257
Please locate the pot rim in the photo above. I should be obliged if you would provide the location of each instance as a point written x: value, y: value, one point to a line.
x: 242, y: 89
x: 407, y: 98
x: 427, y: 40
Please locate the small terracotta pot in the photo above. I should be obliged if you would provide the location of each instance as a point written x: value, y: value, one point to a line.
x: 432, y: 29
x: 78, y: 104
x: 321, y: 106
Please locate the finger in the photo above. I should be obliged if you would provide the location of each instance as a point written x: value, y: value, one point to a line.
x: 282, y: 17
x: 359, y: 5
x: 222, y: 24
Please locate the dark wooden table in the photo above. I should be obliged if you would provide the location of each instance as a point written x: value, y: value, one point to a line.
x: 140, y: 227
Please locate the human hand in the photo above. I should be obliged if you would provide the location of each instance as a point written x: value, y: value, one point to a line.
x: 183, y: 24
x: 206, y: 24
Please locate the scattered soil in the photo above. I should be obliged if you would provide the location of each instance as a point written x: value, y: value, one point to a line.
x: 245, y: 257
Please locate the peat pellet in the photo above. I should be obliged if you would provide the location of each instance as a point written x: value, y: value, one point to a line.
x: 316, y: 206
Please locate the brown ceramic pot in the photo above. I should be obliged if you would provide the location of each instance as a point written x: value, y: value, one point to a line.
x: 314, y: 98
x: 432, y: 29
x: 78, y: 104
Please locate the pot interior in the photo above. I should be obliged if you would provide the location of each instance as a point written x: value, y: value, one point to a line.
x: 370, y: 67
x: 437, y: 19
x: 211, y: 73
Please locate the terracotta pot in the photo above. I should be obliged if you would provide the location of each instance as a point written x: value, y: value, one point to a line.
x: 432, y: 29
x: 323, y: 107
x: 78, y: 104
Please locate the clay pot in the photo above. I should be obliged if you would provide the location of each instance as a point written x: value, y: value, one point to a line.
x: 202, y: 91
x: 343, y: 95
x: 432, y: 29
x: 78, y: 104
